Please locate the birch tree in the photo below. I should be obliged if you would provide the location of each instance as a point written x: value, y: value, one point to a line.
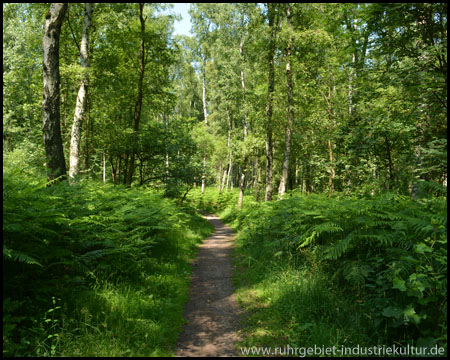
x: 290, y: 111
x: 244, y: 116
x: 81, y: 103
x: 138, y: 107
x: 269, y: 108
x: 56, y: 165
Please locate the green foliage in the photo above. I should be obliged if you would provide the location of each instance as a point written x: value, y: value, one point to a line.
x: 83, y: 243
x: 22, y: 80
x: 381, y: 261
x: 19, y: 257
x: 369, y: 99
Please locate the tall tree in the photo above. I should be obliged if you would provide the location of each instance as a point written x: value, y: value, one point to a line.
x: 80, y: 108
x: 200, y: 15
x: 202, y: 24
x: 244, y: 116
x: 269, y: 109
x: 290, y: 110
x: 56, y: 165
x: 138, y: 107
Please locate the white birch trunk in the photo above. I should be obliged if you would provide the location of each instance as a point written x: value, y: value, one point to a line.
x: 80, y: 107
x: 55, y: 163
x: 205, y: 114
x: 245, y: 120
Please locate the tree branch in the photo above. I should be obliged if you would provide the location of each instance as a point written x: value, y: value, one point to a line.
x: 71, y: 30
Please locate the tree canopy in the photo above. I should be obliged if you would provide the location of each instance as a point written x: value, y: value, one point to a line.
x: 362, y: 108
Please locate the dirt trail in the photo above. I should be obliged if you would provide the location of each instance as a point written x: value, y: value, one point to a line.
x: 212, y: 311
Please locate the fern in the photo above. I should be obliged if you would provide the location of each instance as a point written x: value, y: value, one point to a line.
x: 19, y: 257
x: 91, y: 256
x: 327, y: 227
x: 382, y: 238
x: 388, y: 248
x: 322, y: 228
x: 356, y: 272
x: 335, y: 251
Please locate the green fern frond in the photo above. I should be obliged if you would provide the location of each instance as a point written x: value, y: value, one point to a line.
x: 335, y: 251
x: 91, y: 256
x: 328, y: 227
x: 421, y: 226
x: 308, y: 240
x: 317, y: 230
x: 356, y: 272
x: 19, y: 257
x: 382, y: 238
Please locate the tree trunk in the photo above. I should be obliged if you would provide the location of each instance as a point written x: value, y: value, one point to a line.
x: 271, y: 82
x: 232, y: 177
x: 125, y: 169
x: 104, y: 167
x: 205, y: 115
x: 350, y: 89
x: 307, y: 176
x: 417, y: 166
x: 331, y: 117
x: 80, y: 108
x: 203, y: 174
x: 89, y: 131
x: 230, y: 162
x: 258, y: 180
x: 390, y: 165
x: 302, y: 178
x: 56, y: 165
x: 374, y: 175
x: 241, y: 188
x: 351, y: 75
x: 224, y: 178
x: 255, y: 172
x: 230, y: 174
x: 138, y: 108
x: 219, y: 176
x: 226, y: 172
x: 332, y: 171
x: 141, y: 171
x: 245, y: 119
x: 166, y: 164
x: 113, y: 170
x: 287, y: 150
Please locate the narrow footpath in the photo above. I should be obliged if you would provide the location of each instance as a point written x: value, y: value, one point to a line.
x: 212, y: 311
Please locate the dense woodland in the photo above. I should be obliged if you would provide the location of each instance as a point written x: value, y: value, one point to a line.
x: 319, y: 131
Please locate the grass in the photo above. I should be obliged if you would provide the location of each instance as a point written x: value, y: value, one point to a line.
x: 141, y: 317
x: 129, y: 320
x: 287, y: 304
x: 93, y: 269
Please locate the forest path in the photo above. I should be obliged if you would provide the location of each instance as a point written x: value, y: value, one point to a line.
x: 212, y: 311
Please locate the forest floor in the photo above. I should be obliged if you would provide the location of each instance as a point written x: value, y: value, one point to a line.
x: 212, y: 312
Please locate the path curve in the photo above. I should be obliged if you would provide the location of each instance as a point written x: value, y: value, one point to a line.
x: 212, y: 312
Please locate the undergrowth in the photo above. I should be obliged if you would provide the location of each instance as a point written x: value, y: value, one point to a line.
x: 314, y: 270
x: 93, y: 269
